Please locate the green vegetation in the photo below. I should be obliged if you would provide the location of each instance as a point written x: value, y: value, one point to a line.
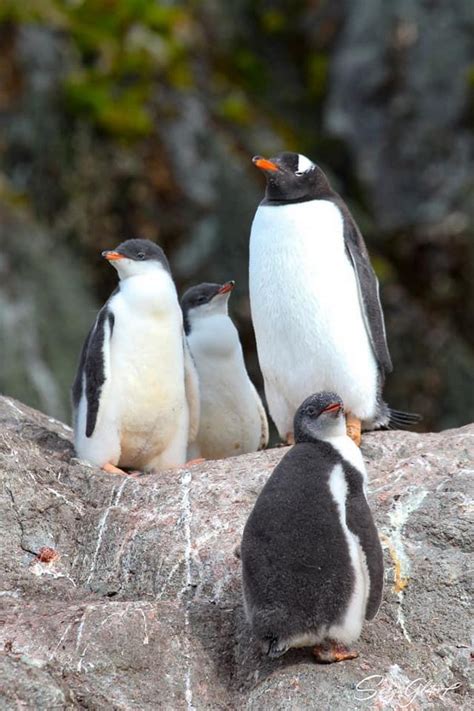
x: 124, y: 46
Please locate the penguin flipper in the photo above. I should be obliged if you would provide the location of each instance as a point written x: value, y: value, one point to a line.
x: 368, y: 288
x: 264, y: 432
x: 94, y: 366
x: 360, y: 522
x: 191, y: 385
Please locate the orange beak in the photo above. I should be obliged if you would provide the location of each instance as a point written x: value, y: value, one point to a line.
x: 264, y: 164
x: 228, y: 286
x: 112, y: 256
x: 333, y: 407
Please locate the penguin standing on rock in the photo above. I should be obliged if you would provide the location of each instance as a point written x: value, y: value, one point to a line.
x: 233, y: 419
x: 315, y: 300
x: 312, y: 563
x: 135, y: 395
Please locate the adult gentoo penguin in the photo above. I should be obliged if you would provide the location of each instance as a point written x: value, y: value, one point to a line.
x: 312, y: 563
x: 315, y: 299
x: 135, y: 396
x: 233, y: 419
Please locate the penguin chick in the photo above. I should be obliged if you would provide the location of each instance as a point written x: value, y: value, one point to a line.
x: 233, y: 419
x: 135, y: 395
x: 312, y: 562
x: 315, y: 300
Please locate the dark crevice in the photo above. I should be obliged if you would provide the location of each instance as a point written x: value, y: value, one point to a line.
x: 20, y: 524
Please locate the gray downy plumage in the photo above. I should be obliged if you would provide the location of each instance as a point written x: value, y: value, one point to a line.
x: 298, y: 575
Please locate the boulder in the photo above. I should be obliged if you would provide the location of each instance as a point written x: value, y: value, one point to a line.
x: 125, y: 593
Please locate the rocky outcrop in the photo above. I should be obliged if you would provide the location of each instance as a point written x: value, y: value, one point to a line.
x: 124, y: 593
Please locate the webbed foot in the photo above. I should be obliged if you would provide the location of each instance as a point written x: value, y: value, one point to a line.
x: 112, y: 469
x: 353, y: 428
x: 276, y: 648
x: 332, y: 652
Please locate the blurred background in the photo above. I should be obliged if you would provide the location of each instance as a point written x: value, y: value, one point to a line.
x: 123, y: 118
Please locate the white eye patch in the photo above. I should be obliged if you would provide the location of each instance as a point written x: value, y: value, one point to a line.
x: 304, y: 164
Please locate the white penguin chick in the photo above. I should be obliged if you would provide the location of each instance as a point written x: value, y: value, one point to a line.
x: 135, y: 395
x: 233, y: 419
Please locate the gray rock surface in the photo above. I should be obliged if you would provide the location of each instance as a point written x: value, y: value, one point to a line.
x: 45, y: 307
x: 395, y: 66
x: 139, y: 606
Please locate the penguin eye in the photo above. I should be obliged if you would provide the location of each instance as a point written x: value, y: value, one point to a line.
x: 141, y: 255
x: 311, y: 411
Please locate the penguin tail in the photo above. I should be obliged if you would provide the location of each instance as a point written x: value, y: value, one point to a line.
x: 387, y: 418
x: 399, y: 420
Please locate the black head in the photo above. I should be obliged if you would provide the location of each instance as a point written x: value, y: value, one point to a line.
x: 138, y: 250
x: 291, y: 177
x: 319, y: 416
x: 202, y: 295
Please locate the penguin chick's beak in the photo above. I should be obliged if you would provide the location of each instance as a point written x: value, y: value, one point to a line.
x: 112, y: 256
x: 334, y: 407
x: 264, y: 164
x: 225, y: 288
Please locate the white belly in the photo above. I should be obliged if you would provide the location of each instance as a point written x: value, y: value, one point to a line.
x: 348, y: 630
x: 146, y: 382
x: 230, y: 421
x: 306, y: 312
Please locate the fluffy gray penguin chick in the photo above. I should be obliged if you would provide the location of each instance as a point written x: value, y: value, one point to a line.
x: 312, y: 563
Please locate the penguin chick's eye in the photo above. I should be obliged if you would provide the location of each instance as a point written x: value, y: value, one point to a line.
x: 311, y: 411
x: 141, y: 255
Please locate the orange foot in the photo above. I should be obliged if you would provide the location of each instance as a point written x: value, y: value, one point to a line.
x: 333, y: 652
x: 112, y: 469
x: 193, y: 462
x: 353, y: 428
x: 290, y: 438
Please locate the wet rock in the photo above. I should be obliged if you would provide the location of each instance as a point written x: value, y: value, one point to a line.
x: 140, y: 607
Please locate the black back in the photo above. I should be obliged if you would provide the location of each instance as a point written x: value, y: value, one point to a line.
x: 297, y: 572
x: 368, y: 285
x: 296, y: 566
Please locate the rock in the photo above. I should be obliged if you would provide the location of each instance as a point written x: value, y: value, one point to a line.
x: 137, y: 604
x: 413, y: 149
x: 37, y: 293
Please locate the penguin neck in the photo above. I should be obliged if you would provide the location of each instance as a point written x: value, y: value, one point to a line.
x: 323, y: 192
x: 213, y: 334
x: 349, y: 451
x: 317, y: 430
x: 152, y: 292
